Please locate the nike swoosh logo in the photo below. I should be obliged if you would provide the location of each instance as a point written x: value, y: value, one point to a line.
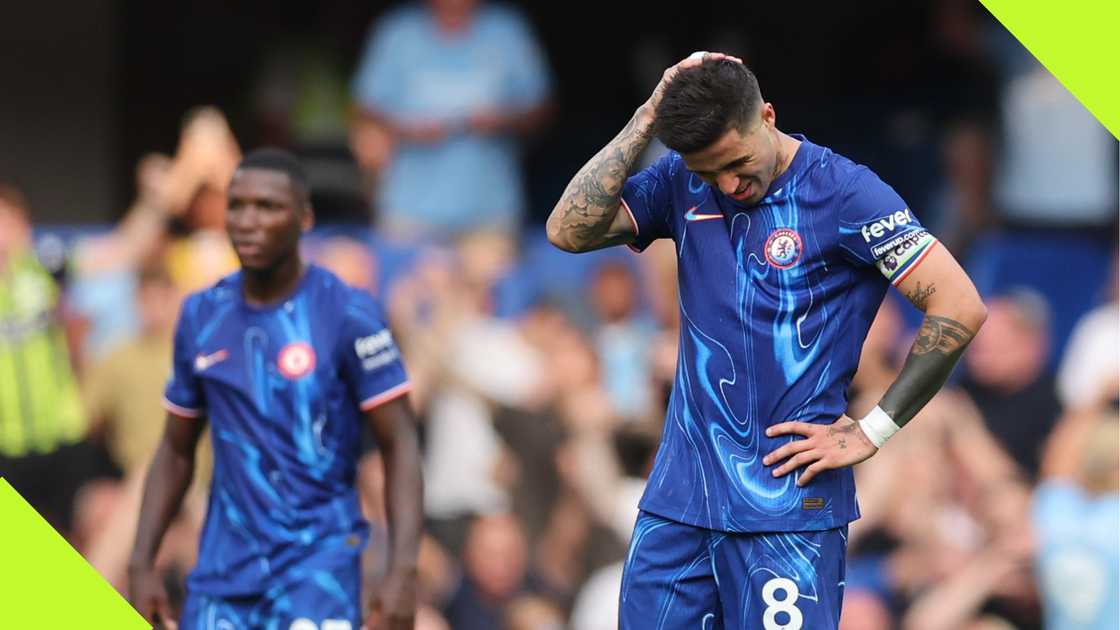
x: 202, y: 362
x: 692, y: 215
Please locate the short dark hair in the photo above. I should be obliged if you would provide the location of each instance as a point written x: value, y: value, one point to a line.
x: 273, y: 159
x: 703, y: 102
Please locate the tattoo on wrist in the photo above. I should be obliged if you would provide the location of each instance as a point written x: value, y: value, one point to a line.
x: 941, y: 334
x: 919, y: 296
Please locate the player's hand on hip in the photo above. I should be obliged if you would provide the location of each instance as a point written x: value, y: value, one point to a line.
x: 691, y: 61
x: 149, y: 597
x: 825, y: 447
x: 394, y: 606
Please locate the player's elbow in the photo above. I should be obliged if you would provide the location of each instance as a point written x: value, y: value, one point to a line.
x: 961, y: 303
x: 975, y: 312
x: 558, y: 236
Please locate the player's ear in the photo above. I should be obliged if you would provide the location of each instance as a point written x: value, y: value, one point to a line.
x: 307, y: 218
x: 769, y: 116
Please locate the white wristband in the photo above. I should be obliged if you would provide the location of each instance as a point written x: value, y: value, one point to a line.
x: 878, y: 427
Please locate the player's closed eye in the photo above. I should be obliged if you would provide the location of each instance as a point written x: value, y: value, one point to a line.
x: 710, y: 176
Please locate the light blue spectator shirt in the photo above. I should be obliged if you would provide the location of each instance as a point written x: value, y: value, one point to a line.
x: 1078, y: 554
x: 412, y: 71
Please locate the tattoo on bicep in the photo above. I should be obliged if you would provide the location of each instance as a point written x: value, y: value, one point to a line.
x: 941, y: 334
x: 919, y: 296
x: 592, y: 197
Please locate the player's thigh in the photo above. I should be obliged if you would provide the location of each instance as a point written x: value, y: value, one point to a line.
x: 786, y: 581
x: 319, y: 596
x: 322, y: 592
x: 667, y: 580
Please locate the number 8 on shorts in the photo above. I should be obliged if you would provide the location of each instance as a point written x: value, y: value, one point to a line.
x: 787, y: 604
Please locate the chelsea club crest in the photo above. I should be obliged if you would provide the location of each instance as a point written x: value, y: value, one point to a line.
x: 783, y: 248
x: 296, y: 360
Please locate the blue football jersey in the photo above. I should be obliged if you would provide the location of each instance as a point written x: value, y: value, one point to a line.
x: 283, y: 387
x: 775, y: 302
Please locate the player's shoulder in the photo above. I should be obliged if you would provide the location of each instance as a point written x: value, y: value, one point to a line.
x: 670, y: 165
x: 329, y: 292
x: 834, y: 171
x: 849, y: 185
x: 222, y: 294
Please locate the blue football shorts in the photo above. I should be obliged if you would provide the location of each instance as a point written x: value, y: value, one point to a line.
x: 680, y: 576
x: 318, y: 596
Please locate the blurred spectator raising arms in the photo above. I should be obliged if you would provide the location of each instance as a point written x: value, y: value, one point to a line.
x: 442, y: 92
x: 185, y: 191
x: 1076, y: 516
x: 41, y: 419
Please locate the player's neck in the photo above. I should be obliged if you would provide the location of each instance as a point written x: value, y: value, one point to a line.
x: 787, y: 149
x: 262, y: 287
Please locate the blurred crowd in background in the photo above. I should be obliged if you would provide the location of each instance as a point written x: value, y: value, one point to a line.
x: 541, y: 377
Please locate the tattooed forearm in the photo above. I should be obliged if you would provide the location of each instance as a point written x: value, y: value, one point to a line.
x: 941, y: 334
x: 919, y: 297
x: 583, y: 217
x: 935, y: 352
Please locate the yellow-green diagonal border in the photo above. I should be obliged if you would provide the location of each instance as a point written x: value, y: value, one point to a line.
x: 44, y: 583
x: 1079, y: 43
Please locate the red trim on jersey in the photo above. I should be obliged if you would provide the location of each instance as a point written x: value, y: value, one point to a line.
x: 630, y: 213
x: 915, y: 264
x: 181, y: 411
x: 380, y: 399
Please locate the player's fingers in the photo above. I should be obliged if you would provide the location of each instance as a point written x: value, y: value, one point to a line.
x: 403, y: 622
x: 701, y: 56
x: 373, y: 621
x: 793, y: 427
x: 167, y: 615
x: 796, y: 462
x: 149, y: 608
x: 691, y: 61
x: 811, y: 472
x: 785, y: 451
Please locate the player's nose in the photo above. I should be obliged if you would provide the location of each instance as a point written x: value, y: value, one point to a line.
x: 728, y: 183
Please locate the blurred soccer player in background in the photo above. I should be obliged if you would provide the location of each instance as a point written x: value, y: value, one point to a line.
x: 785, y: 252
x: 285, y: 362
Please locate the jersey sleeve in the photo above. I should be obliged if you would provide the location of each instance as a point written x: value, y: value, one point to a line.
x: 371, y: 362
x: 878, y: 228
x: 183, y: 394
x: 647, y: 197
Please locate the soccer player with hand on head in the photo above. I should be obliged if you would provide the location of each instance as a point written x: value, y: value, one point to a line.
x: 285, y: 363
x: 785, y: 251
